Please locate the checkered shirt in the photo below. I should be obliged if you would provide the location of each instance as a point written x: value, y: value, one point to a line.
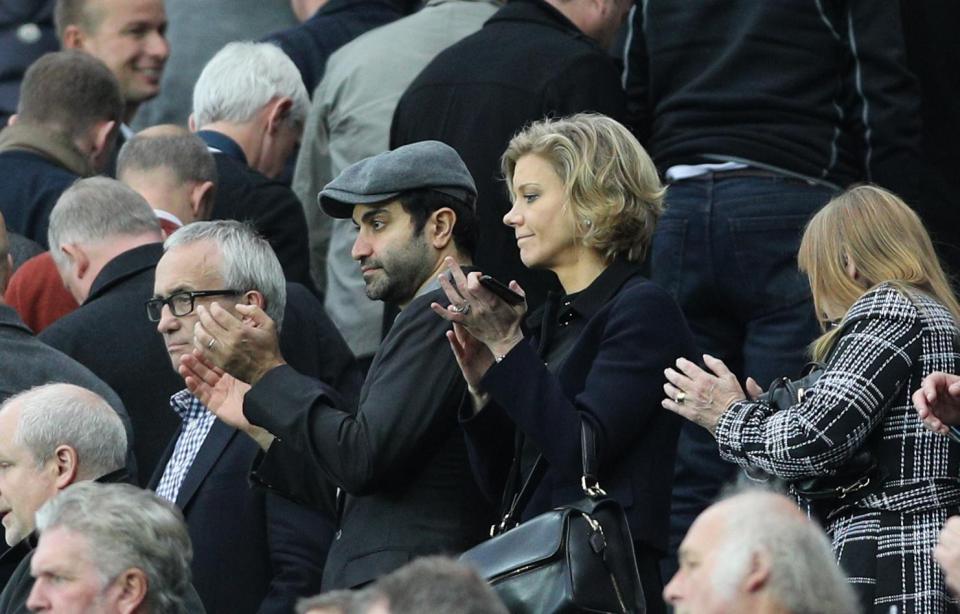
x: 197, y: 421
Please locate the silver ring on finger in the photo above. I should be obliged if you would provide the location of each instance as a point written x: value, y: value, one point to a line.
x: 464, y: 309
x: 681, y: 397
x: 211, y: 344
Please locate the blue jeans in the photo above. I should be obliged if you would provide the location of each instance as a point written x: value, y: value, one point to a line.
x: 726, y: 249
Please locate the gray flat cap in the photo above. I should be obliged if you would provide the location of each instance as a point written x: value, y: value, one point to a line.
x: 427, y: 164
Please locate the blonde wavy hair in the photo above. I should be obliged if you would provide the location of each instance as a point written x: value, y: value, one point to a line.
x: 886, y: 241
x: 611, y: 183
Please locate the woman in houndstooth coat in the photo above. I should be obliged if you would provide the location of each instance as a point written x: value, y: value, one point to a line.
x: 872, y: 268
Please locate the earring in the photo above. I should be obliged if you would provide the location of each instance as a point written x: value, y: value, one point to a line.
x: 587, y: 222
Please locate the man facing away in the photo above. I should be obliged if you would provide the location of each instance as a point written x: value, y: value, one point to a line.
x: 64, y: 129
x: 249, y: 106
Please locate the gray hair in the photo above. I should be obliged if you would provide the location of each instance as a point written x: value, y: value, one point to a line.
x: 95, y: 209
x: 63, y: 414
x: 249, y: 263
x: 804, y: 575
x: 436, y: 584
x: 127, y: 527
x: 241, y: 79
x: 344, y: 601
x: 185, y: 155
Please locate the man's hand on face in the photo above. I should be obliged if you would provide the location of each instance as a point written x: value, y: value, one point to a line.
x: 222, y: 394
x: 246, y: 347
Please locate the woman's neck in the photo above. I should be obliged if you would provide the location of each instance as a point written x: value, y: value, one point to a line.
x: 582, y: 271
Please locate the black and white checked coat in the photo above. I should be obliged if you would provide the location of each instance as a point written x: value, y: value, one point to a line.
x: 884, y: 542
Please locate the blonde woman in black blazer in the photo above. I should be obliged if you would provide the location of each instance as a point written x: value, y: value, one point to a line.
x: 586, y: 197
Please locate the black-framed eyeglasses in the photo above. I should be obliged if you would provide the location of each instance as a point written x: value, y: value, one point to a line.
x: 181, y: 303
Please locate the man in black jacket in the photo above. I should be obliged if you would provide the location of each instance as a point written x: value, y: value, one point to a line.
x: 400, y: 462
x: 532, y: 59
x: 267, y: 551
x: 757, y: 113
x: 106, y: 241
x: 249, y: 105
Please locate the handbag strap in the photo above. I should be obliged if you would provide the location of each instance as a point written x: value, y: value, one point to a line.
x: 519, y: 500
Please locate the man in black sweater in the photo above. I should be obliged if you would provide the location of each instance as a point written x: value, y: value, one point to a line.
x: 757, y: 113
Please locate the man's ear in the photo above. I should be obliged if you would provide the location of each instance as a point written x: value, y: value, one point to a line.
x: 759, y: 572
x: 12, y: 120
x: 255, y: 297
x: 191, y: 123
x: 130, y: 588
x: 440, y: 225
x: 79, y: 261
x: 67, y: 466
x: 201, y: 199
x: 73, y: 37
x: 103, y: 137
x: 277, y: 113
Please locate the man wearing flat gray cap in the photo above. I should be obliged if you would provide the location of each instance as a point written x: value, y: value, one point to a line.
x: 405, y: 487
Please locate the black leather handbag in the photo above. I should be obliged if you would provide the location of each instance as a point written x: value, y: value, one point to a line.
x: 576, y: 558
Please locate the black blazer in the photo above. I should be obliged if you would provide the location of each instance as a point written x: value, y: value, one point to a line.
x: 613, y: 377
x: 401, y: 458
x: 248, y: 196
x: 253, y: 551
x: 111, y: 335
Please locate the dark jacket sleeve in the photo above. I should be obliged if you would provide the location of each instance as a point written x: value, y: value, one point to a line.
x: 405, y: 400
x: 298, y: 541
x: 280, y: 219
x: 888, y: 96
x: 588, y: 83
x: 639, y: 333
x: 636, y: 77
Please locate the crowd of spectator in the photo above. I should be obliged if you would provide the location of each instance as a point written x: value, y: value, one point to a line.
x: 254, y: 355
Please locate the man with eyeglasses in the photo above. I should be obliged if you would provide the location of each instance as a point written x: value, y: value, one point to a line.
x: 254, y: 551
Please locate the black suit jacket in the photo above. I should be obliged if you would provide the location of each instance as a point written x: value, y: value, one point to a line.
x: 613, y: 377
x: 255, y: 551
x: 111, y: 335
x: 274, y: 210
x: 401, y: 457
x: 527, y: 62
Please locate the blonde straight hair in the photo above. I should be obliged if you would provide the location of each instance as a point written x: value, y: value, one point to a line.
x: 886, y: 241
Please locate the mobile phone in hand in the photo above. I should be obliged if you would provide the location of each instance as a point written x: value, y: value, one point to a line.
x: 508, y: 295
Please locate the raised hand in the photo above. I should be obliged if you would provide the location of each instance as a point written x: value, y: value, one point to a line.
x: 246, y: 347
x: 698, y: 395
x: 937, y: 401
x: 221, y: 393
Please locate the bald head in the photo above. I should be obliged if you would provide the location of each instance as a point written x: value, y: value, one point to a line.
x: 163, y: 130
x: 757, y: 552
